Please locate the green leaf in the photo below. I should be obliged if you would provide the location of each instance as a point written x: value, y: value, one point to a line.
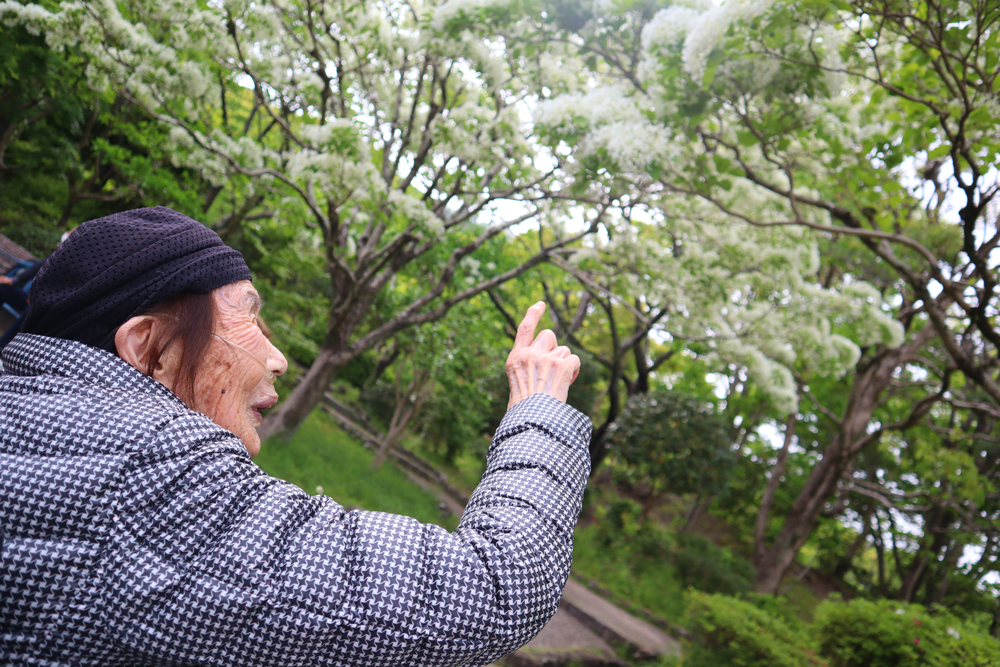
x: 746, y: 138
x: 722, y: 163
x: 941, y: 150
x: 714, y: 60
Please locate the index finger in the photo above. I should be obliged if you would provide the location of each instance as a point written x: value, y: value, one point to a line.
x: 526, y: 330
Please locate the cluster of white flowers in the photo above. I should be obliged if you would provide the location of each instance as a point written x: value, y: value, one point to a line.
x: 773, y: 377
x: 557, y: 72
x: 472, y: 131
x: 699, y: 25
x: 610, y: 122
x: 334, y: 133
x: 185, y: 152
x: 750, y: 293
x: 633, y: 146
x: 331, y: 170
x: 452, y: 9
x: 416, y: 212
x: 486, y: 61
x: 34, y: 18
x: 829, y: 40
x: 705, y: 35
x: 669, y: 27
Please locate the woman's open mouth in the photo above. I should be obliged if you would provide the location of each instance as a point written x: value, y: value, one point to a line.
x: 258, y: 408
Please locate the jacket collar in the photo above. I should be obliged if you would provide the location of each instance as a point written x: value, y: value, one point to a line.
x: 30, y: 355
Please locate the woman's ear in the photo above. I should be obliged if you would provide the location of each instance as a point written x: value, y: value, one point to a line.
x: 134, y: 343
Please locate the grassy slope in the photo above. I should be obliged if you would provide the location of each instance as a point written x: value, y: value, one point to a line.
x: 320, y: 454
x: 655, y: 588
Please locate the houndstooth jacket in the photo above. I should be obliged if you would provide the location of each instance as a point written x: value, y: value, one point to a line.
x: 137, y: 532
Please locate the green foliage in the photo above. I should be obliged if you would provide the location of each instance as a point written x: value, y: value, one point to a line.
x: 707, y: 567
x: 464, y: 384
x: 69, y: 150
x: 736, y: 633
x: 859, y: 633
x: 648, y: 583
x: 670, y: 443
x: 642, y: 561
x: 620, y: 527
x: 863, y: 633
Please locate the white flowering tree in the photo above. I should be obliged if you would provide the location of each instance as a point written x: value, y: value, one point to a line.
x: 670, y: 265
x: 394, y: 135
x: 865, y: 130
x: 799, y: 193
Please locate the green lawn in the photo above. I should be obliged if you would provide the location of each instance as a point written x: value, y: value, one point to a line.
x: 321, y: 455
x: 464, y: 472
x: 654, y: 586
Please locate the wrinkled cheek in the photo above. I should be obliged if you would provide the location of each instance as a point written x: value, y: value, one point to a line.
x: 216, y: 388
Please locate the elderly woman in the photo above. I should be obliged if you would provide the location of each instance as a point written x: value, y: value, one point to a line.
x: 136, y: 530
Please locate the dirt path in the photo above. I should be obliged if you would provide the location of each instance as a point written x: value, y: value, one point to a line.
x: 564, y: 639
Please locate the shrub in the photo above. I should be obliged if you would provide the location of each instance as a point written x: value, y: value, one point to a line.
x: 710, y: 568
x: 862, y: 633
x: 735, y: 633
x: 621, y: 528
x: 664, y: 442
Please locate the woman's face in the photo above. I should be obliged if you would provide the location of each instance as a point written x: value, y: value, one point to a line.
x: 236, y: 382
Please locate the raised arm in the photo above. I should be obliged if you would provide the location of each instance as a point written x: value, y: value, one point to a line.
x: 236, y: 567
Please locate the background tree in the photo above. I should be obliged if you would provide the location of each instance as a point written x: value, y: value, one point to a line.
x: 392, y: 138
x: 817, y: 123
x: 69, y: 148
x: 668, y: 443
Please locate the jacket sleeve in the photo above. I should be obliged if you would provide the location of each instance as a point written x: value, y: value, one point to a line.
x: 215, y: 563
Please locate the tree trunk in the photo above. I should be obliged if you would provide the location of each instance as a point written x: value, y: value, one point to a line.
x: 912, y: 578
x: 870, y: 379
x: 764, y: 513
x: 409, y: 401
x: 598, y: 440
x: 917, y: 572
x: 847, y: 560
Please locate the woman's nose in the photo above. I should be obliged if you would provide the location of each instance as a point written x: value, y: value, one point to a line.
x: 276, y: 362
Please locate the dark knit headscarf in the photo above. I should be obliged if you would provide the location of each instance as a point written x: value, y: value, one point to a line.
x: 114, y: 268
